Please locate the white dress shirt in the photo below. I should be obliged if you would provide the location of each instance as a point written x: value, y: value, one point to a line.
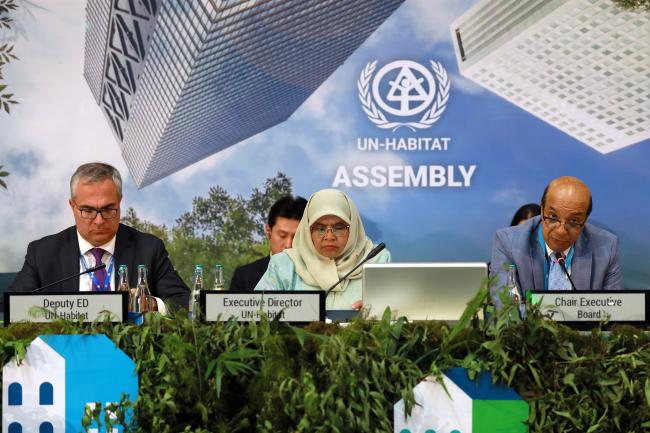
x: 86, y: 281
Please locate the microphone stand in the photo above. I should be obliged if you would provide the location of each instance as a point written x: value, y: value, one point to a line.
x: 562, y: 264
x: 70, y: 277
x: 370, y: 255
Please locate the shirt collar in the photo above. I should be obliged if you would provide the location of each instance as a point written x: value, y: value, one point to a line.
x: 551, y: 253
x: 85, y: 246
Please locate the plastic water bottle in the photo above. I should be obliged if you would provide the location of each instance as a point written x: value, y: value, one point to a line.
x: 218, y: 277
x: 513, y: 290
x: 196, y: 292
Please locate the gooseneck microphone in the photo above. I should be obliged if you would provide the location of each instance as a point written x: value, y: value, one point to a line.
x: 562, y: 262
x: 87, y: 271
x: 370, y: 255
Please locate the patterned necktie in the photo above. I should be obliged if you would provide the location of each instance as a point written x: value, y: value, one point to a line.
x: 100, y: 274
x: 557, y: 279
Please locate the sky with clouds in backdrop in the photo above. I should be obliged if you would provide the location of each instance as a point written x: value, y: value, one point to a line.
x: 58, y: 126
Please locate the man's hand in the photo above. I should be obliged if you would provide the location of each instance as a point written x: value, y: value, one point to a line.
x: 150, y: 304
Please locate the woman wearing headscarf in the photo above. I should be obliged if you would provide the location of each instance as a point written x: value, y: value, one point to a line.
x: 329, y: 242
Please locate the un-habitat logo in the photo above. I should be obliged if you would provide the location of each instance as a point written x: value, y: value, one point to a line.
x: 404, y: 93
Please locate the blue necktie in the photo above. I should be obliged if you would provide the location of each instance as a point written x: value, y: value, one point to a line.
x: 557, y: 278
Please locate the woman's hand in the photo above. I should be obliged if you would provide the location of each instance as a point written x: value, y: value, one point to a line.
x: 357, y: 305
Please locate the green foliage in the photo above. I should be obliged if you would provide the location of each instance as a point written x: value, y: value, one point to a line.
x: 6, y: 56
x: 100, y: 417
x: 573, y: 381
x: 131, y: 219
x: 270, y: 377
x: 633, y: 4
x: 219, y: 228
x: 3, y: 173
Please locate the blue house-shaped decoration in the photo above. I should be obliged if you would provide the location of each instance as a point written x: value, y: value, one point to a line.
x: 61, y: 375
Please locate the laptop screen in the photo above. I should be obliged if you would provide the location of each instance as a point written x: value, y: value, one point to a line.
x: 421, y: 291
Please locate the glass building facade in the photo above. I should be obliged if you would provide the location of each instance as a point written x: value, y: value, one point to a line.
x: 581, y: 65
x: 182, y: 80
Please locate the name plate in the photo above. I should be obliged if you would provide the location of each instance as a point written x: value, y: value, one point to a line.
x: 74, y: 306
x: 299, y: 306
x: 584, y: 306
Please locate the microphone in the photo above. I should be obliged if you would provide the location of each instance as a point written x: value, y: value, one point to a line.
x: 87, y: 271
x: 562, y: 263
x: 370, y: 255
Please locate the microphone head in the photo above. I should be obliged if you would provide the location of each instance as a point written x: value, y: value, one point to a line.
x: 560, y: 259
x: 376, y: 250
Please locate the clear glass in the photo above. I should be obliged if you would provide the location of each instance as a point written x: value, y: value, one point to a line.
x: 123, y: 278
x: 511, y: 282
x: 218, y: 278
x: 196, y: 292
x: 513, y: 290
x: 142, y: 297
x: 124, y: 286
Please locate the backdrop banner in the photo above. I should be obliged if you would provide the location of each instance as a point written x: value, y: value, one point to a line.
x: 440, y: 118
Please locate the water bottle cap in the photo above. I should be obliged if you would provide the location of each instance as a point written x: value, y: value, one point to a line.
x: 123, y: 267
x: 198, y: 267
x: 511, y: 266
x: 217, y: 266
x: 141, y: 266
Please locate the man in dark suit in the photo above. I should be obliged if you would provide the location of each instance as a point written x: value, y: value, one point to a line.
x: 559, y: 238
x: 98, y: 237
x: 284, y: 216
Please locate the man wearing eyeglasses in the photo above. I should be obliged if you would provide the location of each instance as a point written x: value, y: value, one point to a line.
x: 559, y: 240
x: 98, y: 237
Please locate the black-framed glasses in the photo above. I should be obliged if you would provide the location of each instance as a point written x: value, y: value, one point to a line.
x: 90, y: 213
x: 553, y: 223
x: 337, y: 229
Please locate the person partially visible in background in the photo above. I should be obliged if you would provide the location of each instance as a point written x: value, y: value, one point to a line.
x: 284, y: 216
x: 524, y: 213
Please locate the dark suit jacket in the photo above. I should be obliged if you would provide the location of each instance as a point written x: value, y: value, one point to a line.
x: 595, y: 264
x: 247, y: 276
x: 57, y: 256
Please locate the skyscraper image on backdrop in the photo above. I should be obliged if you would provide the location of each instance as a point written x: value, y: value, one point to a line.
x: 580, y: 65
x: 181, y: 80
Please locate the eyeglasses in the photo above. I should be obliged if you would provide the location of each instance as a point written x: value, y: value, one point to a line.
x: 89, y: 213
x: 553, y: 223
x: 337, y: 229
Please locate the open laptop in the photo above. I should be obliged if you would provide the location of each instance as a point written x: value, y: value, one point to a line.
x: 421, y: 291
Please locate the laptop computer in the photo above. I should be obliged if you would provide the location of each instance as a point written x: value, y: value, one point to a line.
x: 421, y: 291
